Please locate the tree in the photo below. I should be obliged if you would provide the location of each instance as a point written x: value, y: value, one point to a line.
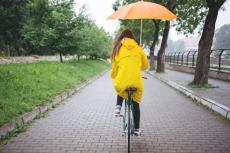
x: 77, y: 41
x: 63, y: 23
x: 205, y: 43
x: 37, y: 30
x: 53, y: 27
x: 160, y: 56
x: 222, y: 37
x: 154, y: 43
x: 190, y: 14
x: 13, y: 15
x: 94, y: 41
x: 50, y: 26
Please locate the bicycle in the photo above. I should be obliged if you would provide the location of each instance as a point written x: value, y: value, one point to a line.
x: 128, y: 118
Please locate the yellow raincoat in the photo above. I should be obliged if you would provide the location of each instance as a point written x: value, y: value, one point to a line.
x: 127, y: 67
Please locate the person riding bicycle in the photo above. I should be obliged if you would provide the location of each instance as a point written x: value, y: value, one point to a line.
x: 128, y: 59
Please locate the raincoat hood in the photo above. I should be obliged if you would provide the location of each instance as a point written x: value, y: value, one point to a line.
x: 129, y: 43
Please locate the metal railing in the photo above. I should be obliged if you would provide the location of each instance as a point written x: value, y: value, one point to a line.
x: 218, y: 59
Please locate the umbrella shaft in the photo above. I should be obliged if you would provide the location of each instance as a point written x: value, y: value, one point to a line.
x: 141, y: 32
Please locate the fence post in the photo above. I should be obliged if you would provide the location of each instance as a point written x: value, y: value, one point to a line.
x: 182, y: 59
x: 209, y: 58
x: 188, y: 57
x: 177, y: 57
x: 170, y: 58
x: 174, y: 58
x: 166, y: 56
x: 220, y: 59
x: 193, y: 58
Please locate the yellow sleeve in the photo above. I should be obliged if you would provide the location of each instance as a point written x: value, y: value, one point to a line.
x: 114, y: 69
x: 145, y: 63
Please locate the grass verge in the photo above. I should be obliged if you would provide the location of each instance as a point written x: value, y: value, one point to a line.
x: 4, y: 139
x: 25, y: 86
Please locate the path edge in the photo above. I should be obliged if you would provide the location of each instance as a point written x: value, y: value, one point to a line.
x: 211, y: 104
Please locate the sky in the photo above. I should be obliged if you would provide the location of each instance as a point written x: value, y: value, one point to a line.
x: 99, y: 10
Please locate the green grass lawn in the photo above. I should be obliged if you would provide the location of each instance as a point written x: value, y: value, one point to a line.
x: 25, y: 86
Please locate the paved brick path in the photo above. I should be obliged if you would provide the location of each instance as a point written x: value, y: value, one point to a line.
x: 170, y: 123
x: 220, y: 94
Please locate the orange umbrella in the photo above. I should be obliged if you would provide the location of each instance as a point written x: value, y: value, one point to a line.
x: 143, y: 10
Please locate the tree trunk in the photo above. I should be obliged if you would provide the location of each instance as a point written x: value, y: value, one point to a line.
x: 61, y: 57
x: 18, y: 51
x: 205, y: 44
x: 8, y: 50
x: 155, y: 40
x: 160, y: 56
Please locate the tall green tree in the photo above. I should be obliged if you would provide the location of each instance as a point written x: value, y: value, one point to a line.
x: 13, y: 15
x: 50, y: 27
x: 157, y: 25
x: 160, y: 55
x: 190, y: 15
x: 63, y: 24
x: 94, y: 42
x: 205, y: 43
x: 37, y: 30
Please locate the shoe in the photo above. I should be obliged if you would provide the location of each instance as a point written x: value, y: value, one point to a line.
x: 117, y: 111
x: 137, y: 132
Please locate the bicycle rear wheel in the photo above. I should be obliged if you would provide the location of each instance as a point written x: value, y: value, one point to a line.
x: 128, y: 124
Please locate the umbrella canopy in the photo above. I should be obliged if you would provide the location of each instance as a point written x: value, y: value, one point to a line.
x: 143, y: 10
